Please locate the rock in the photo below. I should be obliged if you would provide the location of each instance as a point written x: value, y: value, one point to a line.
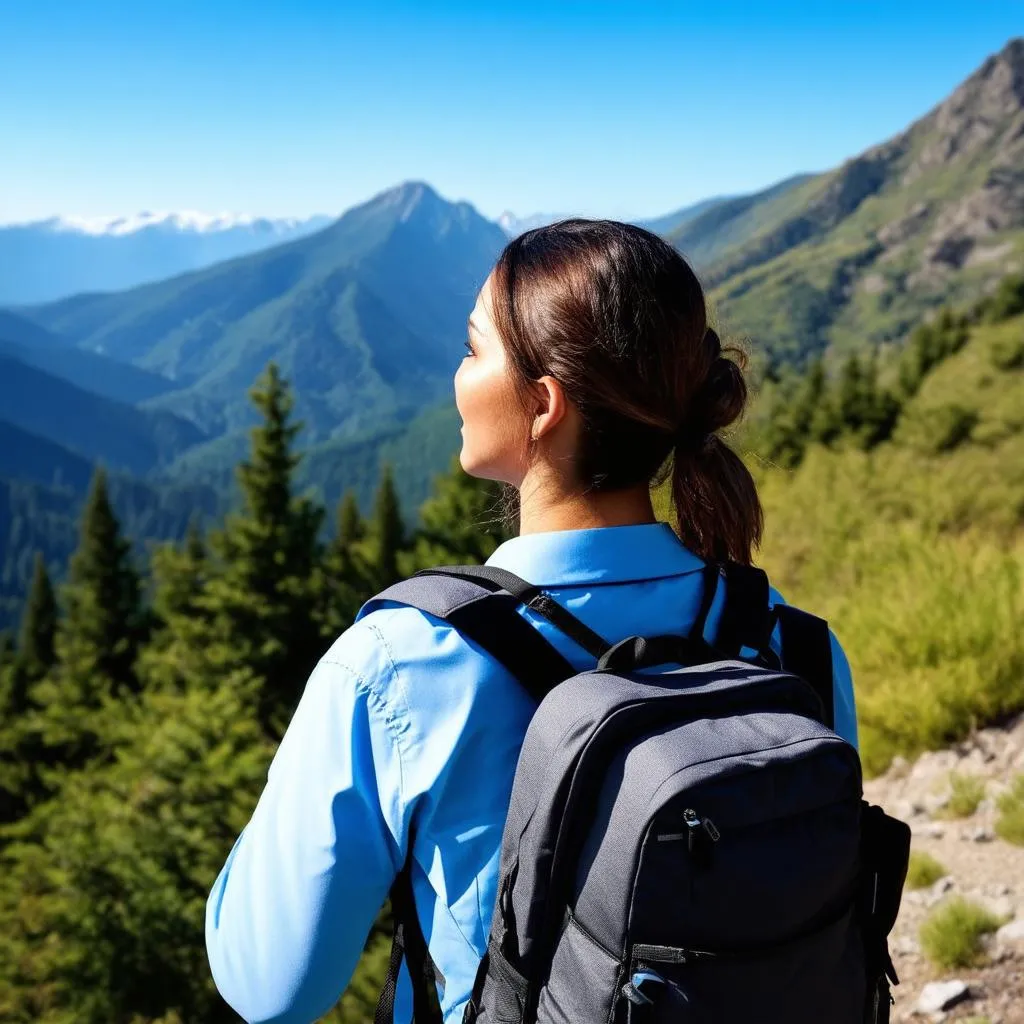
x: 906, y: 946
x: 907, y: 809
x: 1002, y: 906
x: 935, y: 802
x: 937, y: 996
x: 979, y: 834
x: 928, y: 828
x: 1012, y: 932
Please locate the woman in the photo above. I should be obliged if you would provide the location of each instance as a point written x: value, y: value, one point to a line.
x: 589, y: 364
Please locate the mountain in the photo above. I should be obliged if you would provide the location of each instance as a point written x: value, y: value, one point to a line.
x: 674, y: 221
x: 93, y: 427
x: 669, y: 222
x: 49, y: 259
x: 366, y: 318
x: 856, y: 256
x: 28, y: 343
x: 704, y: 231
x: 514, y: 226
x: 26, y: 456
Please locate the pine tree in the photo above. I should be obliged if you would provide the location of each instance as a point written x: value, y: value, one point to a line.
x: 37, y: 652
x: 387, y: 532
x: 8, y: 651
x: 347, y: 580
x: 178, y: 653
x: 461, y: 522
x: 97, y: 641
x: 351, y: 527
x: 266, y: 597
x: 179, y: 572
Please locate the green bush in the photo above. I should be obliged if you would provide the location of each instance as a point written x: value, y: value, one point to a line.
x: 938, y: 428
x: 1006, y: 301
x: 951, y: 934
x: 1010, y: 823
x: 924, y: 870
x: 966, y: 792
x: 927, y: 611
x: 1007, y: 352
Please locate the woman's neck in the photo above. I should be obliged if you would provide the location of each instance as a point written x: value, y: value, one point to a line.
x: 548, y: 509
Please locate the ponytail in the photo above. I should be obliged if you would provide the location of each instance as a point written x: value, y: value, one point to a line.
x: 718, y: 513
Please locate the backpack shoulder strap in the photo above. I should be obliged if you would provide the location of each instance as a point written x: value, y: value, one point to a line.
x: 747, y: 621
x: 408, y: 943
x: 746, y: 618
x: 807, y: 653
x: 487, y: 615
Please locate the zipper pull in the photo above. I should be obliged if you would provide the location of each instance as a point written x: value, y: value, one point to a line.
x: 693, y: 823
x: 701, y: 836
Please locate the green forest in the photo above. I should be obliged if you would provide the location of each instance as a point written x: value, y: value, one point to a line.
x: 141, y: 699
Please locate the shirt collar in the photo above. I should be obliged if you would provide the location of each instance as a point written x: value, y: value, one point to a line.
x: 611, y: 554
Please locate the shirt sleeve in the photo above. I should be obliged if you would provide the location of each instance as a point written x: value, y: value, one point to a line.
x: 290, y: 912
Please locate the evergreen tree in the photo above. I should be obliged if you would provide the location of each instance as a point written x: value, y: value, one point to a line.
x: 37, y: 652
x: 351, y: 527
x: 266, y: 597
x: 7, y: 649
x: 386, y: 533
x: 347, y: 580
x: 97, y: 641
x: 179, y: 573
x: 181, y: 643
x: 463, y: 521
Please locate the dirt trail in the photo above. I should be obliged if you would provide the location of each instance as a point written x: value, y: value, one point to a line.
x: 980, y: 866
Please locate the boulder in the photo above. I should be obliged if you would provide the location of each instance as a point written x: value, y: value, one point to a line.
x: 937, y: 996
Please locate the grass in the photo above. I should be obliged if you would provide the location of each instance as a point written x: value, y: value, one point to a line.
x: 1010, y: 823
x: 966, y: 792
x: 924, y: 870
x: 951, y: 934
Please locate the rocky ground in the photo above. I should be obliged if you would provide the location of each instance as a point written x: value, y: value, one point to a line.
x: 981, y: 867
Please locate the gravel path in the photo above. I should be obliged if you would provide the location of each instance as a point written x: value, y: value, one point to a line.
x: 980, y: 866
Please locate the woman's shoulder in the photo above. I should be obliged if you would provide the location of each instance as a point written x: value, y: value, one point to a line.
x: 377, y: 641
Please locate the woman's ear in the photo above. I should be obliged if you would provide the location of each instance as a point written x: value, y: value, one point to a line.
x: 550, y: 407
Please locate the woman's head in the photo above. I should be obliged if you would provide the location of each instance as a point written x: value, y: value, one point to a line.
x: 592, y: 360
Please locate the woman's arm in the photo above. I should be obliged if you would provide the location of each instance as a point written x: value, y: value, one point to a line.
x: 289, y: 914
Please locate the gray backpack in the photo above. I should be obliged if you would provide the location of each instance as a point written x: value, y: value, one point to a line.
x: 682, y: 845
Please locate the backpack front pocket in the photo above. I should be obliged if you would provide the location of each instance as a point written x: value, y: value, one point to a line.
x: 795, y: 982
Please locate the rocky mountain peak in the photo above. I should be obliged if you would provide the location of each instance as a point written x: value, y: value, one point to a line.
x: 987, y: 109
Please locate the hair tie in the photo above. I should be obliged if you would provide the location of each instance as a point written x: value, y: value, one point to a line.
x: 689, y: 439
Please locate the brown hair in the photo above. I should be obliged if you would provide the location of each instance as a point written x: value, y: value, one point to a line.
x: 617, y: 317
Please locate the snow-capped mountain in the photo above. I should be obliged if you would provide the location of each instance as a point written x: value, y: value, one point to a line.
x: 513, y: 225
x: 181, y: 221
x: 61, y: 256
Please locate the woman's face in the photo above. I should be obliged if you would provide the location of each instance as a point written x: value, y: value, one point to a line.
x: 495, y: 425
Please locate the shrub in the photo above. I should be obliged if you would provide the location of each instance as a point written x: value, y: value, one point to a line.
x: 938, y: 428
x: 951, y: 934
x: 966, y: 792
x: 1006, y: 301
x: 1010, y: 823
x: 1007, y: 352
x: 924, y: 870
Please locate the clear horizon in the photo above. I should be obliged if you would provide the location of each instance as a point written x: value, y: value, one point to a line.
x: 277, y: 111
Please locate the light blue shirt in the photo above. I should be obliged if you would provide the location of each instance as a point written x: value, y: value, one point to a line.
x: 402, y: 718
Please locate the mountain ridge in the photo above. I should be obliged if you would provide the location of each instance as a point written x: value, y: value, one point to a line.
x: 934, y: 214
x: 51, y: 259
x: 366, y: 316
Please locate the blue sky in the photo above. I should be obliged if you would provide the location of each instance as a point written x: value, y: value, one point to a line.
x: 617, y: 109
